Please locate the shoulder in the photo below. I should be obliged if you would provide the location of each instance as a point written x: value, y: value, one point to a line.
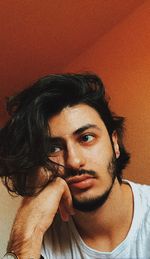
x: 141, y: 194
x: 143, y: 191
x: 141, y: 198
x: 140, y: 190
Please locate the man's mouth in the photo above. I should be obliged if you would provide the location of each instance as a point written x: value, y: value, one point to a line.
x: 80, y: 181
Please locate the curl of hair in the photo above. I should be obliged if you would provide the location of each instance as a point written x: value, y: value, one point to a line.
x: 25, y: 167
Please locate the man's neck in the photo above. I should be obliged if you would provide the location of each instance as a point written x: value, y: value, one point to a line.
x: 108, y: 226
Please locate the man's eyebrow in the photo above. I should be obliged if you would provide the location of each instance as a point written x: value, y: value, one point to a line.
x: 85, y: 127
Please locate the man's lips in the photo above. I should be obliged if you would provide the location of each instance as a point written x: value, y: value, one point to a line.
x: 80, y: 181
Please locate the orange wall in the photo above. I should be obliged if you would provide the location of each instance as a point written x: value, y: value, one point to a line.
x: 122, y: 58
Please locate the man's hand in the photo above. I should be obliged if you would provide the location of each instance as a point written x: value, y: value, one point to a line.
x: 35, y: 215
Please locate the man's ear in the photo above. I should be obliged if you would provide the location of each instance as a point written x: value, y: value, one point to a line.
x: 115, y: 144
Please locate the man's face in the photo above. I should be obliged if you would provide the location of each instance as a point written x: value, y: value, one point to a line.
x: 82, y: 145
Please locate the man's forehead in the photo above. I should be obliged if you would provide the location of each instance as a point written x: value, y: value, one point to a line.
x: 74, y: 119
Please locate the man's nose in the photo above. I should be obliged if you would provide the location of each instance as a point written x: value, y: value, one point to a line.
x: 75, y: 157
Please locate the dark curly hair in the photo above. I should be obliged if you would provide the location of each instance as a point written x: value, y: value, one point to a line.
x: 25, y: 139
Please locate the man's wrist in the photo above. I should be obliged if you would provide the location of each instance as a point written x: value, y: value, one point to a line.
x: 10, y: 255
x: 24, y: 248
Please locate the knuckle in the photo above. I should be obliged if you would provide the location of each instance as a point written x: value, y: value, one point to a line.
x: 61, y: 182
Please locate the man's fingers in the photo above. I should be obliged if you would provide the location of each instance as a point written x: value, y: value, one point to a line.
x: 65, y: 205
x: 63, y: 212
x: 66, y: 200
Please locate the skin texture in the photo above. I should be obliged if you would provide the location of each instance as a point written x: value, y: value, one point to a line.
x: 84, y: 144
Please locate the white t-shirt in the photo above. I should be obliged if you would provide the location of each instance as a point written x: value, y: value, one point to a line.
x: 62, y: 240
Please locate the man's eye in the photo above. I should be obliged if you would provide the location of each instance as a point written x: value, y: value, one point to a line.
x: 87, y: 138
x: 54, y: 151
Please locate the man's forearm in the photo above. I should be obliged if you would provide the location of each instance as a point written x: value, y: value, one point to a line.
x: 35, y: 216
x: 25, y: 248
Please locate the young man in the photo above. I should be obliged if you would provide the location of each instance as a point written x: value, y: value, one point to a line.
x: 62, y: 151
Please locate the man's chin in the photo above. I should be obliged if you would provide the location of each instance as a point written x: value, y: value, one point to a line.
x: 91, y: 204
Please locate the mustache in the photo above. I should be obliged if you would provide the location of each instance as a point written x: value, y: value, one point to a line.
x: 69, y: 172
x: 74, y: 172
